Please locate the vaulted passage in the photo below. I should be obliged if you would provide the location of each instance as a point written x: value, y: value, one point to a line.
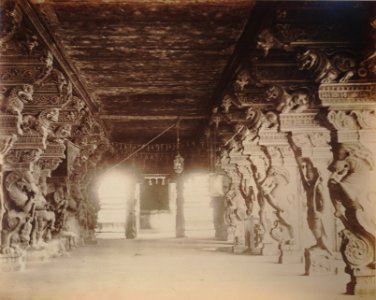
x: 192, y: 149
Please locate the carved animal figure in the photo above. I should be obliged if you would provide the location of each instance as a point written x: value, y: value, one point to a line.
x: 294, y: 102
x: 353, y: 194
x: 15, y: 102
x: 324, y: 69
x: 42, y: 123
x: 19, y: 204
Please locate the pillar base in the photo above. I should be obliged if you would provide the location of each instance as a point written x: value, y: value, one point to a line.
x: 363, y: 282
x: 270, y: 249
x: 221, y: 234
x: 12, y: 262
x: 290, y: 256
x: 318, y: 261
x: 239, y: 249
x: 37, y: 255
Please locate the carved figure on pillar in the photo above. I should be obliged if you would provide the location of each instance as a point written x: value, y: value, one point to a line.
x: 20, y: 202
x: 273, y: 191
x: 327, y: 68
x: 235, y: 214
x: 15, y: 102
x: 352, y: 191
x: 318, y: 255
x: 294, y: 102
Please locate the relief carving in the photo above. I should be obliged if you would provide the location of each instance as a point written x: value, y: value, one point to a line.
x: 19, y: 195
x: 318, y: 219
x: 235, y: 210
x: 273, y: 189
x: 267, y: 40
x: 11, y: 17
x: 342, y: 120
x: 42, y: 124
x: 353, y: 194
x: 288, y: 102
x: 325, y: 68
x: 15, y: 102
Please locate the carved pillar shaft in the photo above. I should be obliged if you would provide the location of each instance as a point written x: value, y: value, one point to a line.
x: 351, y: 184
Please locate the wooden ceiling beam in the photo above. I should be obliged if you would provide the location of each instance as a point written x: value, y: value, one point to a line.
x: 149, y: 118
x: 57, y: 52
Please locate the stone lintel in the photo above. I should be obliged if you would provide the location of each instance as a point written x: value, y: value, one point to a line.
x: 54, y: 150
x: 348, y: 95
x: 272, y: 137
x: 306, y: 121
x: 350, y: 136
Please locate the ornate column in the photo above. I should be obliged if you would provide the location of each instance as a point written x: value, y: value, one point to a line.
x: 237, y: 205
x: 262, y: 243
x: 281, y: 191
x: 310, y: 143
x: 352, y: 182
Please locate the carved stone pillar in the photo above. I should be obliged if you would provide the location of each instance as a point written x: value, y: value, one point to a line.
x: 310, y: 142
x: 21, y: 198
x: 352, y: 182
x: 261, y: 222
x: 230, y: 195
x: 240, y: 212
x: 281, y: 190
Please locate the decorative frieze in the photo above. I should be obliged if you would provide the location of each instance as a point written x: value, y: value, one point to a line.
x: 272, y: 137
x: 348, y: 95
x: 304, y: 121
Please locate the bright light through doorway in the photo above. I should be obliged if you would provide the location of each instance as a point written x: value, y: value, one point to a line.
x: 114, y: 185
x: 114, y: 191
x: 196, y: 188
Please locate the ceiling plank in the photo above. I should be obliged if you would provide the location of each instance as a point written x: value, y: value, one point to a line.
x: 149, y: 118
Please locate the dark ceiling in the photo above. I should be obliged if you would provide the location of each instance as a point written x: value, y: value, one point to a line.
x: 146, y: 62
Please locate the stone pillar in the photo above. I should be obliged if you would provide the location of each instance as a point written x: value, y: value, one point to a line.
x: 262, y: 216
x: 281, y: 190
x: 261, y: 222
x: 180, y: 222
x: 352, y: 181
x: 310, y: 143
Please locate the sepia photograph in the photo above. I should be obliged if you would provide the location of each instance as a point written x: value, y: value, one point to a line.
x: 187, y: 150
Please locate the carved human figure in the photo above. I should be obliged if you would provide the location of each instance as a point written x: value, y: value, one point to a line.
x: 317, y: 200
x: 58, y: 203
x: 235, y: 214
x: 274, y: 191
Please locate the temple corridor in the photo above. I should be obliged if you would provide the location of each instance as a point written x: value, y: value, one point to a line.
x: 167, y: 269
x: 187, y: 149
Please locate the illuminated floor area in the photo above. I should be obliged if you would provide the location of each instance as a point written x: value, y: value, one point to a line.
x: 166, y: 269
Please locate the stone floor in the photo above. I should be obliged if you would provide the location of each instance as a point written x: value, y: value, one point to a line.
x: 178, y: 269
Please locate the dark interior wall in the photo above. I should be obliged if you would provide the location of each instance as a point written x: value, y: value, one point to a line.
x: 154, y: 197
